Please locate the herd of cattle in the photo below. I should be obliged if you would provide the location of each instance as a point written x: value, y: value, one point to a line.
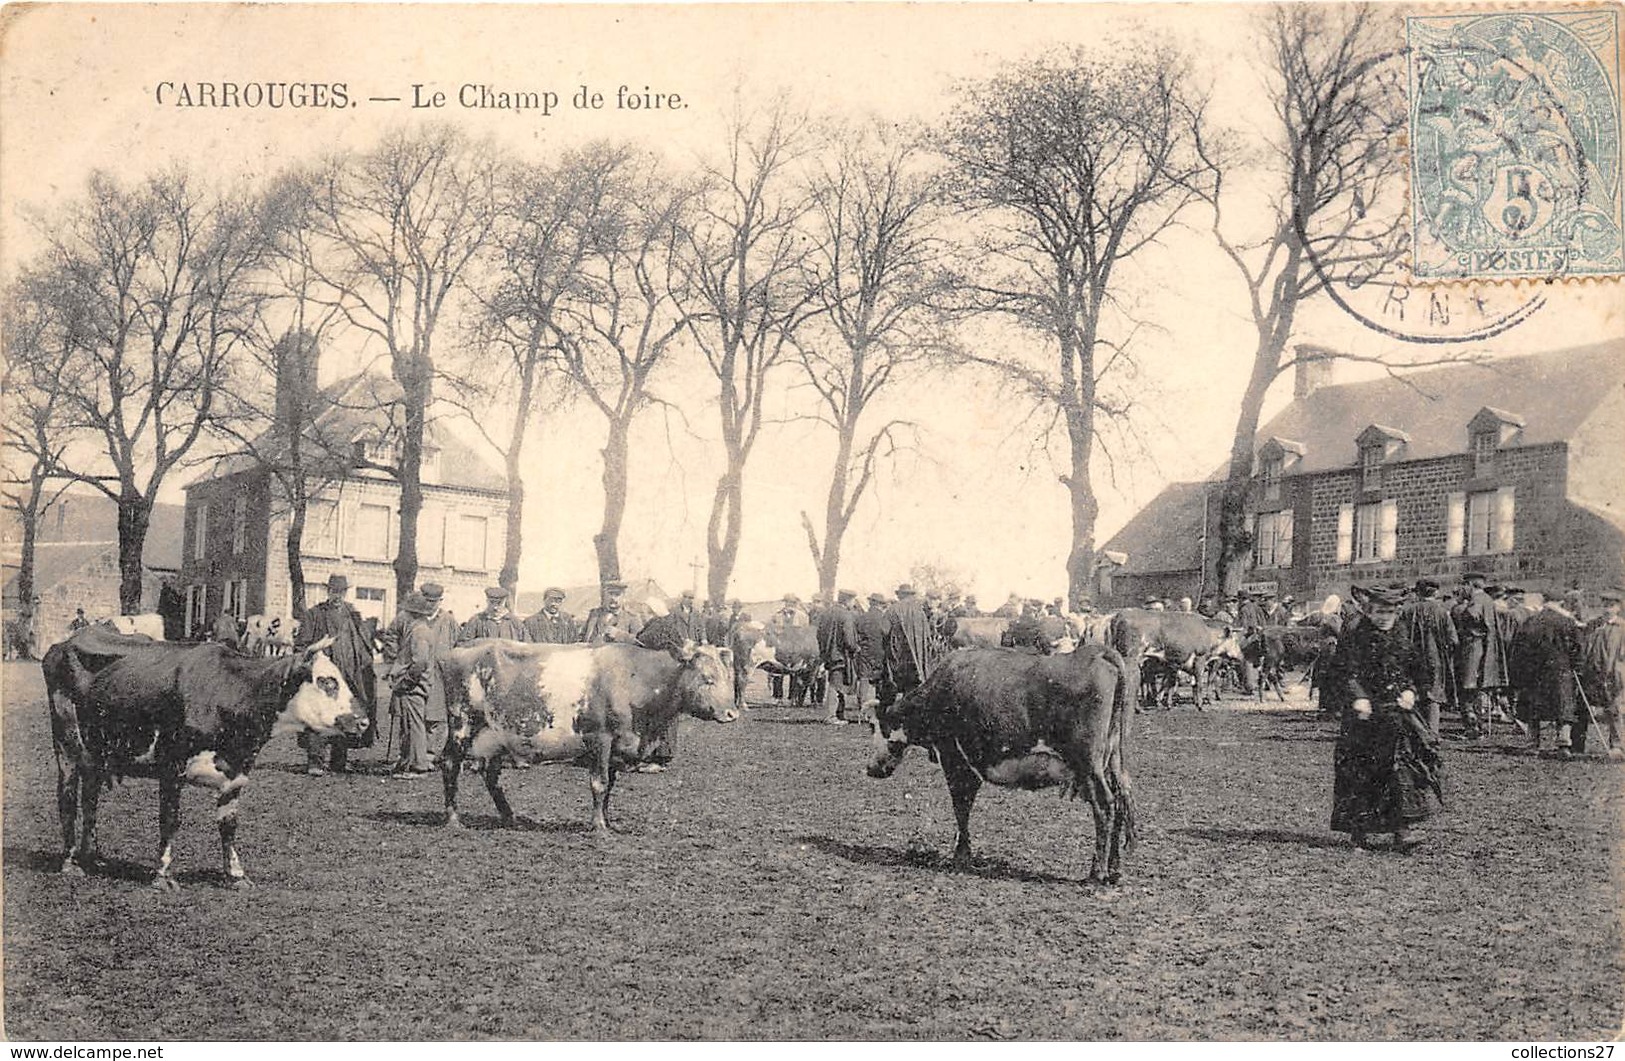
x: 124, y: 704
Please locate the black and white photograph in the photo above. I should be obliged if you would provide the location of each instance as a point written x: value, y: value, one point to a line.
x: 812, y: 522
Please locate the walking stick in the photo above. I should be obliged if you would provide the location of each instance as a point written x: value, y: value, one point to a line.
x: 1579, y: 687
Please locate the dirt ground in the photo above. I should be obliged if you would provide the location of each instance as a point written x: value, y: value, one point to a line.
x: 765, y: 888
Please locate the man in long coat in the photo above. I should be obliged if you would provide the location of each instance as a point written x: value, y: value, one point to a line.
x: 1480, y: 663
x: 869, y: 662
x: 351, y: 653
x: 495, y: 621
x: 910, y: 654
x: 688, y: 616
x: 837, y: 645
x: 1545, y: 667
x: 420, y: 700
x: 1433, y: 640
x: 1604, y: 672
x: 552, y: 625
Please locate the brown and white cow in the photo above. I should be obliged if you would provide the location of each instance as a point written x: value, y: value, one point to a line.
x: 1023, y: 721
x: 130, y: 707
x: 1173, y: 642
x: 602, y: 707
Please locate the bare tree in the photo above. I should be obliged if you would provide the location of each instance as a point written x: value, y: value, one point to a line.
x: 34, y: 434
x: 874, y: 268
x: 155, y: 284
x: 1338, y: 106
x: 744, y: 260
x: 1072, y: 164
x: 623, y: 322
x: 400, y: 224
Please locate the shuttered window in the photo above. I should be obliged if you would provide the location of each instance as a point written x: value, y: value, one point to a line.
x: 1345, y: 534
x: 1368, y: 526
x: 1272, y: 541
x: 1491, y: 516
x: 200, y: 531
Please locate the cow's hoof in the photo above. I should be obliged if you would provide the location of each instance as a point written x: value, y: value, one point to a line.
x: 71, y: 868
x: 165, y: 884
x: 239, y: 884
x: 453, y: 822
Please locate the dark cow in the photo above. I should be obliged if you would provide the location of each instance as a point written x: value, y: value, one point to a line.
x: 1024, y: 721
x: 130, y: 707
x: 796, y: 655
x: 599, y: 706
x: 1273, y: 650
x: 1180, y: 641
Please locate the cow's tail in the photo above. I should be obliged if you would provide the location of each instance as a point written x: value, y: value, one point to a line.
x: 1122, y: 724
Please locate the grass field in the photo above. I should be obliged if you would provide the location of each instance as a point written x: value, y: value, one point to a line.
x: 765, y: 888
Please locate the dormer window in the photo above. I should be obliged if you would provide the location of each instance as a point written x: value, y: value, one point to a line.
x: 1275, y: 458
x: 1377, y: 444
x: 1487, y: 432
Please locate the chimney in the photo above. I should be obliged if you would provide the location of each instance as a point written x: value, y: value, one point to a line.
x: 1314, y: 369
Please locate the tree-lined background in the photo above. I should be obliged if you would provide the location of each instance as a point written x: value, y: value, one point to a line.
x: 805, y: 343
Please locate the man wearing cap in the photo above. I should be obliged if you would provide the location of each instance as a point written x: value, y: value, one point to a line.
x: 1385, y: 764
x: 1604, y: 667
x: 1480, y: 664
x: 418, y: 699
x: 608, y: 621
x: 837, y: 645
x: 788, y: 615
x: 688, y: 616
x: 351, y: 653
x: 552, y: 625
x: 495, y: 621
x: 869, y: 662
x: 1432, y: 632
x: 1545, y: 663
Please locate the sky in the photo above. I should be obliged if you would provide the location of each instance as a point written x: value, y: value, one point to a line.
x: 980, y: 496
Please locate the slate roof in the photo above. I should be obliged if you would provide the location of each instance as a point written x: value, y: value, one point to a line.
x: 1165, y: 534
x: 361, y: 404
x: 1552, y: 393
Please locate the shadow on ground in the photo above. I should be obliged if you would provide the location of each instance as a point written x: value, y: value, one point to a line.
x: 978, y: 866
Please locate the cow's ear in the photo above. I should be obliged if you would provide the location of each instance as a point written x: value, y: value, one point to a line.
x: 319, y: 646
x: 685, y: 652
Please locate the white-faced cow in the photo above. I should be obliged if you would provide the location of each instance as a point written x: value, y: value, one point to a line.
x: 602, y: 707
x: 1024, y: 721
x: 129, y: 707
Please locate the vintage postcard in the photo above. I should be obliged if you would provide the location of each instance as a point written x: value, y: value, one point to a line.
x: 812, y: 521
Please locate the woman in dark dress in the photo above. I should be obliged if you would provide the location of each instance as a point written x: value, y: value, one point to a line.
x: 1386, y: 761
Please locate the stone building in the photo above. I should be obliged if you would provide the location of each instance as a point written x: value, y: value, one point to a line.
x: 234, y: 554
x: 76, y: 563
x: 1516, y: 466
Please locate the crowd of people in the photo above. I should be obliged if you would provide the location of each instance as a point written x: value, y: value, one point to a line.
x: 1404, y: 655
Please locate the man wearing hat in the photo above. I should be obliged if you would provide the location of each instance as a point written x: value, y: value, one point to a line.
x: 418, y: 699
x: 869, y: 662
x: 1432, y: 632
x: 552, y: 625
x: 495, y: 621
x: 1480, y: 663
x: 351, y: 653
x: 910, y: 653
x: 1604, y: 667
x: 837, y: 645
x: 1385, y: 765
x: 608, y: 622
x: 1545, y: 666
x: 788, y: 615
x: 689, y: 618
x: 1026, y: 632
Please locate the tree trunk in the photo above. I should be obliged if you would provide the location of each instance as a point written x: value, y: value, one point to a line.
x: 829, y: 563
x: 28, y: 514
x: 607, y: 541
x: 1235, y: 544
x: 134, y: 514
x: 512, y: 551
x: 1080, y: 559
x: 723, y: 531
x: 296, y: 548
x: 414, y: 379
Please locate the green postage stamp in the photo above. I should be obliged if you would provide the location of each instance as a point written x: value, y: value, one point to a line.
x: 1515, y: 144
